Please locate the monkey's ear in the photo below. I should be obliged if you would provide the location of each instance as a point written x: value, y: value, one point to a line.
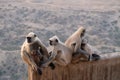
x: 56, y: 40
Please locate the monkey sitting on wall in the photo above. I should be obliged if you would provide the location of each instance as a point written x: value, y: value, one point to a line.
x: 62, y: 54
x: 74, y: 43
x: 32, y: 52
x: 93, y: 53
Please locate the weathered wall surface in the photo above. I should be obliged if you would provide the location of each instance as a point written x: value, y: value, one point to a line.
x: 106, y: 69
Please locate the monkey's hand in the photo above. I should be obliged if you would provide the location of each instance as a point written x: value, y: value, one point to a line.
x: 34, y: 68
x: 48, y: 61
x: 37, y: 69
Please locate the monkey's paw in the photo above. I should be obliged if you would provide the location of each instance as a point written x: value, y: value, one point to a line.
x: 95, y: 57
x: 39, y: 71
x: 52, y: 66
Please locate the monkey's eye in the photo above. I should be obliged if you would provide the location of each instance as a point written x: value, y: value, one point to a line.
x: 28, y: 38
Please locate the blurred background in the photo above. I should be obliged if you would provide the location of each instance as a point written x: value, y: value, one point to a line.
x: 47, y: 18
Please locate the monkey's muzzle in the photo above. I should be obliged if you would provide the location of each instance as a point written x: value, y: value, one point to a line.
x: 29, y: 39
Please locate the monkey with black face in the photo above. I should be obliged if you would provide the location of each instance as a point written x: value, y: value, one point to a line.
x: 93, y: 53
x: 32, y: 51
x: 74, y: 43
x: 63, y: 55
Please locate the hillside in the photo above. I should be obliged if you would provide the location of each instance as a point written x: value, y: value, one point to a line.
x: 49, y: 18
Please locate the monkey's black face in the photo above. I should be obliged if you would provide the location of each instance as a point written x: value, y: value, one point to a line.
x: 83, y: 33
x: 50, y: 42
x: 82, y: 46
x: 29, y: 39
x: 53, y: 42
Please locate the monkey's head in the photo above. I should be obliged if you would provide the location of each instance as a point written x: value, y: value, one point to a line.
x: 83, y: 43
x: 54, y: 40
x: 31, y: 37
x: 82, y: 31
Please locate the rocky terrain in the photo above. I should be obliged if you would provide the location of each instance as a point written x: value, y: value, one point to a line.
x: 48, y: 18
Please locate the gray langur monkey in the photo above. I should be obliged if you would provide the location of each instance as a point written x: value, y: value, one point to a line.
x: 62, y: 54
x: 74, y: 43
x: 32, y: 51
x: 93, y: 53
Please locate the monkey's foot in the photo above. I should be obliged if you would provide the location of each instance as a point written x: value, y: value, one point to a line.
x: 95, y: 57
x: 39, y: 71
x: 34, y: 68
x: 52, y: 66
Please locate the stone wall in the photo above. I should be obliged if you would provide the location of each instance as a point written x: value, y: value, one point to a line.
x: 108, y: 68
